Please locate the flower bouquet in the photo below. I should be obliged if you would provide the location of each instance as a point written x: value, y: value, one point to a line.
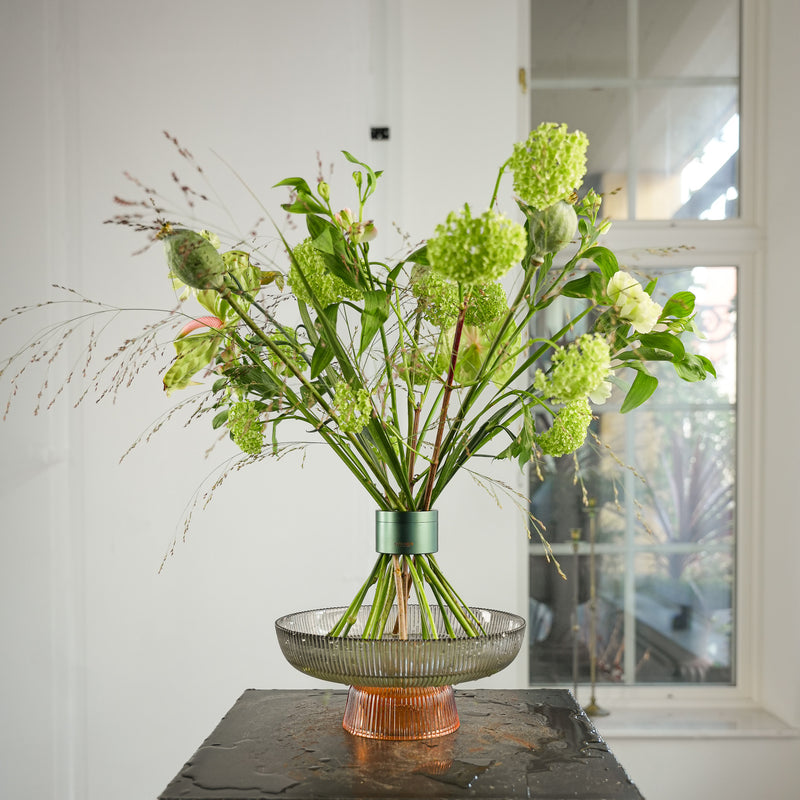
x: 410, y: 370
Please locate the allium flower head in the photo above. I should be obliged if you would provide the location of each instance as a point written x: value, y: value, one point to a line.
x: 352, y: 408
x: 247, y: 430
x: 550, y: 165
x: 326, y: 287
x: 633, y: 302
x: 568, y: 431
x: 471, y: 249
x: 439, y: 300
x: 577, y: 370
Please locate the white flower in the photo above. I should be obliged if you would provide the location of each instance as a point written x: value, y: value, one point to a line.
x: 633, y: 302
x: 601, y: 393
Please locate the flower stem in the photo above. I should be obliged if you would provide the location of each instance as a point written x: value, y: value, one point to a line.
x: 448, y: 389
x: 349, y: 617
x: 402, y: 599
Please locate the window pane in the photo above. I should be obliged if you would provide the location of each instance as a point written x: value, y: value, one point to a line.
x: 654, y: 490
x: 687, y: 158
x: 655, y: 86
x: 557, y: 649
x: 683, y: 607
x: 697, y: 38
x: 596, y: 33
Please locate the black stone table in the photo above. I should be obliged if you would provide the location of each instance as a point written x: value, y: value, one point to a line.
x: 534, y: 743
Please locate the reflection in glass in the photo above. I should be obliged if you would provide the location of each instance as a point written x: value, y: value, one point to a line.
x: 579, y: 39
x: 661, y: 482
x: 683, y: 616
x: 655, y: 86
x: 688, y: 38
x: 687, y: 158
x: 554, y: 641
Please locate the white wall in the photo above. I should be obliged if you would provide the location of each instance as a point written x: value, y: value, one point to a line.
x: 110, y: 669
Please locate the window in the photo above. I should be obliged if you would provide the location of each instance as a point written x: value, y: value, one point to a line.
x: 655, y: 85
x: 644, y: 519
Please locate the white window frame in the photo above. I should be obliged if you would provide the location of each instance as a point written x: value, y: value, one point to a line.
x: 732, y: 242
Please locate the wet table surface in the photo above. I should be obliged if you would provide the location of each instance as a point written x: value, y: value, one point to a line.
x: 534, y: 743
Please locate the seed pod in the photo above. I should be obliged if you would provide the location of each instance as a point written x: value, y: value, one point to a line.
x: 193, y: 259
x: 551, y: 229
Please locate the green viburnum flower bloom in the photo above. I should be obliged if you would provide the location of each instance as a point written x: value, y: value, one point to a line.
x: 471, y: 249
x: 326, y: 287
x: 550, y: 165
x: 438, y: 299
x: 577, y: 370
x: 568, y: 431
x: 633, y: 302
x: 353, y: 408
x: 247, y: 430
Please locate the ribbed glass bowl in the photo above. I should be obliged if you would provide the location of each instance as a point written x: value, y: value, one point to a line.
x: 390, y: 661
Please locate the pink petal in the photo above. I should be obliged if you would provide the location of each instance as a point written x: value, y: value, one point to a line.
x: 200, y: 322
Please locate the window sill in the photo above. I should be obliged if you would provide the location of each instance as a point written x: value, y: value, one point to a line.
x: 738, y: 722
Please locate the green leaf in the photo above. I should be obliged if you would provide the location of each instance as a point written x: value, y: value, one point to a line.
x: 376, y: 312
x: 681, y: 304
x: 590, y: 285
x: 298, y: 183
x: 392, y: 276
x: 220, y: 419
x: 323, y: 352
x: 664, y: 341
x: 194, y: 353
x: 694, y: 368
x: 325, y: 236
x: 646, y: 354
x: 523, y: 447
x: 420, y: 256
x: 219, y: 385
x: 604, y: 259
x: 708, y: 365
x: 644, y: 384
x: 327, y: 239
x: 304, y: 203
x: 253, y: 380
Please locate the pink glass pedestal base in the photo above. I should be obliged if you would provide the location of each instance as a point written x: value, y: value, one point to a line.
x: 400, y: 714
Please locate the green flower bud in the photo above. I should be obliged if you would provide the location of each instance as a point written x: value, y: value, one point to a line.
x: 324, y: 190
x: 473, y: 350
x: 193, y: 259
x: 193, y: 354
x: 363, y: 232
x: 551, y: 230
